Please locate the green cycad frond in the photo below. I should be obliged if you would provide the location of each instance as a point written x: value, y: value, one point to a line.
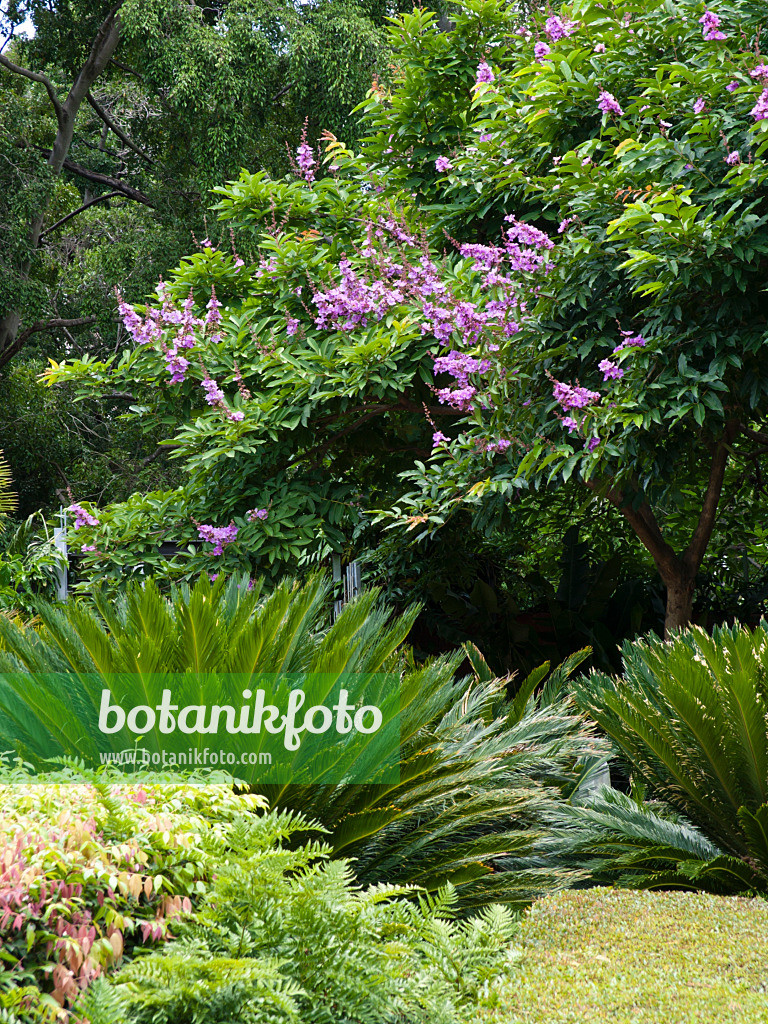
x: 691, y: 716
x: 476, y: 776
x: 8, y: 501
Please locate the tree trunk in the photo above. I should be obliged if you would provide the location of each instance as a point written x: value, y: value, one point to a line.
x: 678, y: 572
x: 679, y: 612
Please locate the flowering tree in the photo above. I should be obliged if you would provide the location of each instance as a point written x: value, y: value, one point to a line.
x: 595, y: 312
x: 637, y: 367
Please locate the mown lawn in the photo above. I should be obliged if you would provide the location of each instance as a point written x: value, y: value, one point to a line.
x: 627, y: 957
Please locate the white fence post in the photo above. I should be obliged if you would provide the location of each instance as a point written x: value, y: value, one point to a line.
x: 60, y: 543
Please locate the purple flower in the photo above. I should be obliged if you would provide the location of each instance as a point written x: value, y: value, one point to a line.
x: 761, y: 71
x: 439, y: 438
x: 573, y: 398
x: 630, y: 341
x: 178, y: 366
x: 564, y: 224
x: 219, y: 536
x: 760, y: 109
x: 732, y: 86
x: 498, y: 446
x: 292, y: 326
x: 82, y: 518
x: 710, y: 26
x: 235, y: 415
x: 88, y: 547
x: 484, y: 73
x: 213, y: 316
x: 733, y: 158
x: 254, y: 514
x: 592, y: 444
x: 599, y: 47
x: 128, y: 315
x: 699, y: 105
x: 540, y: 50
x: 689, y: 167
x: 306, y: 160
x: 486, y: 137
x: 570, y: 422
x: 558, y: 29
x: 608, y: 103
x: 213, y: 393
x: 610, y: 370
x: 443, y: 164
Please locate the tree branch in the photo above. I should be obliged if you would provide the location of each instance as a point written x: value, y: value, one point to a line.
x: 47, y: 325
x: 69, y: 216
x: 643, y: 522
x: 755, y: 435
x: 35, y: 76
x: 103, y: 47
x: 105, y: 179
x: 701, y: 535
x: 116, y: 130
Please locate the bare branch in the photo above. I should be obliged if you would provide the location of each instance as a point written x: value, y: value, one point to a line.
x: 116, y: 130
x: 48, y: 325
x: 701, y: 535
x: 103, y: 47
x: 69, y: 216
x: 36, y: 76
x: 105, y: 179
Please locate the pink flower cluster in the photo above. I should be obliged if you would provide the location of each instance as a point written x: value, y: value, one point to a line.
x: 484, y: 73
x: 443, y: 164
x: 255, y: 514
x: 760, y: 109
x: 568, y: 397
x: 82, y: 517
x: 540, y: 50
x: 710, y: 26
x: 608, y: 103
x: 305, y: 158
x: 219, y: 536
x: 213, y: 393
x: 557, y: 28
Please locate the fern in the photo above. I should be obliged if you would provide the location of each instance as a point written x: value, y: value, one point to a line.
x: 286, y: 934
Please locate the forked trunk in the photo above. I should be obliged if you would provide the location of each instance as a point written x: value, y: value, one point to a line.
x: 680, y: 589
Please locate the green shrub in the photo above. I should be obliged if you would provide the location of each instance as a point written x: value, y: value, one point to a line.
x: 477, y: 770
x: 88, y: 873
x: 285, y: 935
x: 691, y: 717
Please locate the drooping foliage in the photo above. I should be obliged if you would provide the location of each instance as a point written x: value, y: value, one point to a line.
x: 477, y: 770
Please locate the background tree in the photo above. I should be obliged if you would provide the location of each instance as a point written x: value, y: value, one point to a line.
x: 152, y: 103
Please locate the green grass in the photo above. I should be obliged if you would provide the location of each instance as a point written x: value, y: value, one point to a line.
x: 628, y: 957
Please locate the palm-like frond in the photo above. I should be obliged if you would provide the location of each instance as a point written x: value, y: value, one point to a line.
x: 7, y: 497
x: 691, y: 715
x: 476, y: 769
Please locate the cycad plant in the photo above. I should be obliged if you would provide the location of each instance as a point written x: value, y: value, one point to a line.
x: 477, y: 770
x: 691, y: 717
x: 478, y: 773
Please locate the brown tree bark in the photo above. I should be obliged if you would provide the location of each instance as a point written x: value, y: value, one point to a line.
x: 102, y: 48
x: 678, y: 571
